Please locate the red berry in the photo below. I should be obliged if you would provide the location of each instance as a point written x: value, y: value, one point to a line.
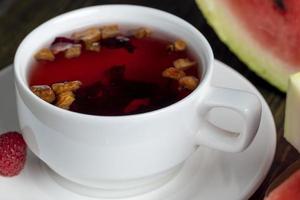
x: 12, y: 153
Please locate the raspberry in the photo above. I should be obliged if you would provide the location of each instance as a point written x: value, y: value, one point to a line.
x: 12, y: 153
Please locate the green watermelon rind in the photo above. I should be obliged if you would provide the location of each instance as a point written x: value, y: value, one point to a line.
x: 245, y: 47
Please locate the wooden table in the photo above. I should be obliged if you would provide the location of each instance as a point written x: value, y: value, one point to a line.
x: 19, y: 17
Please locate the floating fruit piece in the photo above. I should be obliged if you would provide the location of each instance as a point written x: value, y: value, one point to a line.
x: 44, y: 54
x: 135, y: 104
x: 44, y: 92
x: 173, y: 73
x: 189, y: 82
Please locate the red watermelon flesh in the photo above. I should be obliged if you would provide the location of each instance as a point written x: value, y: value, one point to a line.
x: 274, y: 23
x: 288, y: 190
x: 264, y: 34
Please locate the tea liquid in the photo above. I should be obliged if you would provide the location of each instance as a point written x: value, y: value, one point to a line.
x: 124, y: 77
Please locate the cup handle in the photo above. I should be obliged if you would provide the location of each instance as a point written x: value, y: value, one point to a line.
x: 246, y: 104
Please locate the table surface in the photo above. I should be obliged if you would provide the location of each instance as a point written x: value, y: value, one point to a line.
x: 18, y: 18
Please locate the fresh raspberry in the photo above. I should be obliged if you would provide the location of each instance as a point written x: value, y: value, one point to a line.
x: 12, y: 153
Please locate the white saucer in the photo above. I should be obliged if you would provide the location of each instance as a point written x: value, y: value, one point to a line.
x: 207, y: 175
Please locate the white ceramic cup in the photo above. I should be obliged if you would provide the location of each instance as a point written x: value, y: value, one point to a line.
x: 122, y: 152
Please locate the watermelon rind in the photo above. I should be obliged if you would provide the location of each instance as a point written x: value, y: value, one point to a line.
x: 231, y: 31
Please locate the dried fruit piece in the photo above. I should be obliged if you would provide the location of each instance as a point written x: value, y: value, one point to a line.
x: 142, y: 32
x: 61, y: 44
x: 44, y: 92
x: 65, y: 100
x: 109, y: 31
x: 62, y: 39
x: 189, y: 82
x: 180, y: 45
x: 173, y: 73
x: 170, y: 48
x: 183, y: 63
x: 119, y: 42
x: 44, y: 54
x: 89, y: 35
x: 12, y: 153
x: 72, y: 86
x: 60, y: 47
x: 135, y: 104
x: 73, y: 51
x: 92, y: 46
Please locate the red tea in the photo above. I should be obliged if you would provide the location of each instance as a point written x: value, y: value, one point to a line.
x: 123, y: 76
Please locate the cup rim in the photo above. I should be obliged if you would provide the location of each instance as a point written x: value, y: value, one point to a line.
x: 164, y: 14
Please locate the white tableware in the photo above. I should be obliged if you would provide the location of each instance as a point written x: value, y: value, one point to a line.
x: 128, y: 153
x: 208, y: 174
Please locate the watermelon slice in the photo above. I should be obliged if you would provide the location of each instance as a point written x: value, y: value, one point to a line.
x: 288, y: 190
x: 264, y: 34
